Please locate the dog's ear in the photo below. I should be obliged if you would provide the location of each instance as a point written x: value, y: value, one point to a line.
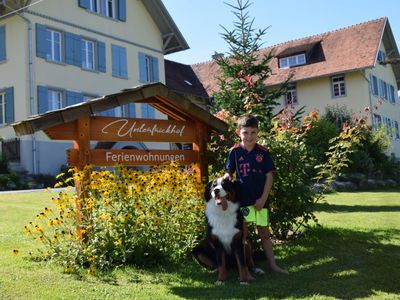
x: 207, y: 191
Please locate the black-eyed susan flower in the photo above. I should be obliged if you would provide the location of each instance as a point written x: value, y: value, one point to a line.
x: 15, y: 252
x: 91, y: 271
x: 68, y: 269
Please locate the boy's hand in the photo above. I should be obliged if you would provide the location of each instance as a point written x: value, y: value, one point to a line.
x: 227, y: 176
x: 260, y: 203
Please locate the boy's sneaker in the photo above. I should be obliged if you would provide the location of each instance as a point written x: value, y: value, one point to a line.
x: 258, y: 271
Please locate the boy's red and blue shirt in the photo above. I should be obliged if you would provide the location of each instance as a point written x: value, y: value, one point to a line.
x: 251, y: 170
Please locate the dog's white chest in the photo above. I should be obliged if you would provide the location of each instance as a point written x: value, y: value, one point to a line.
x: 223, y: 222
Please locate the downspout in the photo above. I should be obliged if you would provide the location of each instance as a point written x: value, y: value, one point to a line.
x: 30, y: 83
x: 371, y: 106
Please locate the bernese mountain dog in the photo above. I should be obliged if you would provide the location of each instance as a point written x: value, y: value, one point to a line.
x: 224, y: 236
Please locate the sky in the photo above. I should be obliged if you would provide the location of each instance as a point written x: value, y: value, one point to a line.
x: 200, y: 21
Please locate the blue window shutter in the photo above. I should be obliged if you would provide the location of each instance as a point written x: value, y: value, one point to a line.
x: 103, y: 7
x: 154, y: 65
x: 131, y: 110
x: 122, y: 10
x: 73, y: 49
x: 115, y: 60
x: 142, y: 67
x: 371, y: 84
x: 144, y: 110
x: 84, y: 3
x: 148, y: 111
x: 2, y: 43
x: 123, y: 62
x: 43, y: 103
x: 9, y: 101
x: 151, y: 112
x: 73, y: 98
x: 101, y: 57
x: 41, y: 43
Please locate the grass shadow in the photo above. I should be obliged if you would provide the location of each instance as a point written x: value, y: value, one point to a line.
x: 334, y: 208
x: 329, y: 262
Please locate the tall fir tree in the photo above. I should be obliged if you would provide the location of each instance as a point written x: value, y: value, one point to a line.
x: 244, y: 71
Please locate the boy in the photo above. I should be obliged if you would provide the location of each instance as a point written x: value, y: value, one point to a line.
x: 254, y: 169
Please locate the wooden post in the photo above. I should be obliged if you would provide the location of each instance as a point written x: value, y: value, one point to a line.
x: 200, y: 145
x: 82, y: 144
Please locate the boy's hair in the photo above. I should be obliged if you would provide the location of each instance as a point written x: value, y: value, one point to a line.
x: 247, y: 121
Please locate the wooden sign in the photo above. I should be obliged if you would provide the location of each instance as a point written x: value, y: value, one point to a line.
x: 128, y: 129
x: 129, y: 157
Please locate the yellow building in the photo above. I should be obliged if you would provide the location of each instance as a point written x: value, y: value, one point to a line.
x: 58, y: 53
x: 357, y: 67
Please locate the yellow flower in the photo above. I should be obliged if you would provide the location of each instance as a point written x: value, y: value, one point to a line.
x: 15, y: 252
x: 157, y: 222
x: 68, y: 269
x: 117, y: 242
x: 140, y: 219
x: 91, y: 271
x: 92, y: 258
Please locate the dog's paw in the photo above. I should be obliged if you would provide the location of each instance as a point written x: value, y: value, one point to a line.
x: 219, y: 282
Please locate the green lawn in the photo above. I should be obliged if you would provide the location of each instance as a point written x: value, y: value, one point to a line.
x: 354, y: 254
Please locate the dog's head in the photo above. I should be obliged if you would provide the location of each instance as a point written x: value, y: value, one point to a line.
x: 222, y: 191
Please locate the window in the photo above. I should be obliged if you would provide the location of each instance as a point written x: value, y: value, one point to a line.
x: 119, y: 64
x: 110, y: 8
x: 373, y: 81
x: 55, y: 99
x: 382, y: 89
x: 396, y: 129
x: 338, y: 86
x: 115, y: 9
x: 381, y: 56
x: 292, y: 61
x: 70, y: 48
x: 88, y: 58
x: 2, y: 43
x: 53, y: 41
x: 6, y: 106
x: 148, y: 68
x: 291, y: 95
x: 377, y: 121
x: 390, y: 93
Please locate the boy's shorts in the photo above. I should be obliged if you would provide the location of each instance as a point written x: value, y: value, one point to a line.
x: 252, y: 215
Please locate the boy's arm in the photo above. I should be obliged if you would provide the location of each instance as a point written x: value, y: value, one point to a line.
x: 230, y: 165
x: 260, y: 202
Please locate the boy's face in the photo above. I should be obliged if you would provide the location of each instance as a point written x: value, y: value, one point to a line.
x: 248, y: 136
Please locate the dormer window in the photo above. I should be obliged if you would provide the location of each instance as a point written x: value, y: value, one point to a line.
x: 381, y: 56
x: 292, y: 61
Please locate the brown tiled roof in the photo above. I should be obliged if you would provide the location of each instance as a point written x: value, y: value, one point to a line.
x: 339, y: 51
x: 181, y: 78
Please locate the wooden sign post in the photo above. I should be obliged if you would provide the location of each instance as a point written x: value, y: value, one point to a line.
x: 187, y: 123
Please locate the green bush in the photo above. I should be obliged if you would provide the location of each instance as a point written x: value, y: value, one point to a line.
x: 125, y: 217
x: 292, y: 198
x: 318, y: 137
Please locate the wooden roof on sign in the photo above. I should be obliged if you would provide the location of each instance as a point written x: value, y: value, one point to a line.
x: 173, y: 104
